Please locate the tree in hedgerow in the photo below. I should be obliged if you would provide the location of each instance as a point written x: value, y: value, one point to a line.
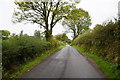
x: 44, y: 13
x: 4, y: 34
x: 78, y: 21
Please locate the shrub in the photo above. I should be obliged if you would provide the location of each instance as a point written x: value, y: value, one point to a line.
x: 55, y: 43
x: 17, y: 50
x: 103, y: 40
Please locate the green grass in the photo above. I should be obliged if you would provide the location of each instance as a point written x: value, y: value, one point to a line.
x: 109, y: 69
x: 29, y: 65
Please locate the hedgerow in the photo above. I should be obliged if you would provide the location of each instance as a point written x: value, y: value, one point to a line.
x: 103, y: 40
x: 18, y: 50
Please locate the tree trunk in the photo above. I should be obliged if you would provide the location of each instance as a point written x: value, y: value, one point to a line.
x: 48, y: 35
x: 75, y: 34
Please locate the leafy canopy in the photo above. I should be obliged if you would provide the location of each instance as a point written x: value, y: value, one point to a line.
x: 78, y: 21
x: 44, y: 13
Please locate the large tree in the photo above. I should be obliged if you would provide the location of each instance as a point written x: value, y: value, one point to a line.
x: 78, y: 21
x: 46, y: 13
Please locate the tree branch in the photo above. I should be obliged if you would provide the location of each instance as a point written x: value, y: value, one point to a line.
x: 56, y: 21
x: 53, y: 15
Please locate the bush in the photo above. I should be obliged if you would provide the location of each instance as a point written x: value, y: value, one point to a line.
x: 55, y: 43
x: 19, y: 49
x: 103, y: 40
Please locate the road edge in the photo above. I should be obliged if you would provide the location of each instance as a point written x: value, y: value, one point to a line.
x: 92, y: 62
x: 46, y: 55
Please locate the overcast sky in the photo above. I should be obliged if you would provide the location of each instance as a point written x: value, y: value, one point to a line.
x: 99, y: 10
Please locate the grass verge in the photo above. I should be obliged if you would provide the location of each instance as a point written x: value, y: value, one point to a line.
x: 109, y: 69
x: 29, y: 65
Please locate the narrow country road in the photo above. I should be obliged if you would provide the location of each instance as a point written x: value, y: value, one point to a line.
x: 66, y: 63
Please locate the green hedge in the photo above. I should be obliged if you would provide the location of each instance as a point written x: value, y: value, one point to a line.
x: 18, y: 50
x: 103, y: 40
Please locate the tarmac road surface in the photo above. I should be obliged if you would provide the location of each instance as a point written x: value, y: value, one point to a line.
x: 66, y: 63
